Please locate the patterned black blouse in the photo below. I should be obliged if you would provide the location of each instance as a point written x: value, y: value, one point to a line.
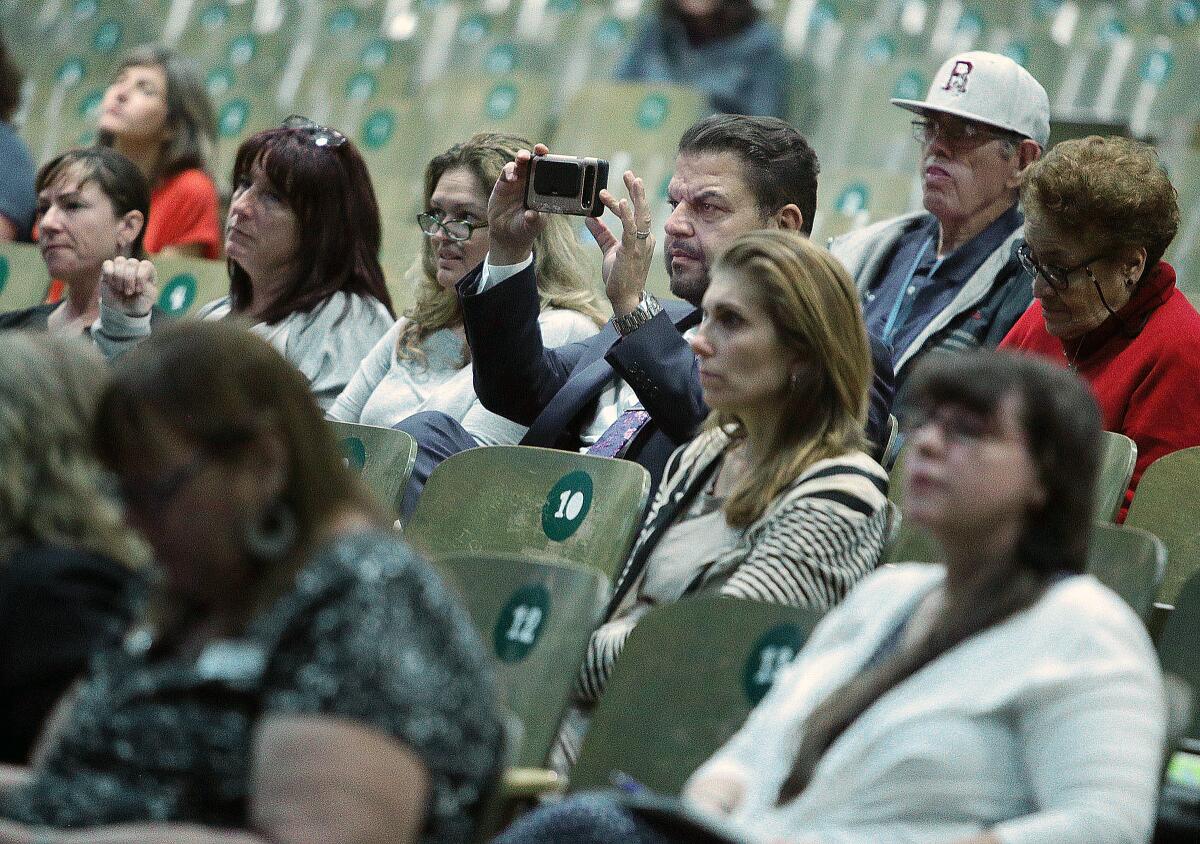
x: 369, y: 634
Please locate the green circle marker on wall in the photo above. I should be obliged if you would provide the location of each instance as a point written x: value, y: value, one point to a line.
x: 823, y: 14
x: 89, y: 106
x: 378, y: 128
x: 521, y: 622
x: 500, y: 102
x: 567, y: 505
x: 1186, y: 12
x: 343, y: 20
x: 376, y: 54
x: 500, y: 59
x: 355, y: 453
x: 84, y: 9
x: 178, y: 294
x: 610, y: 34
x: 1157, y: 67
x: 969, y: 23
x: 474, y: 29
x: 853, y: 199
x: 71, y: 71
x: 214, y: 17
x: 880, y: 50
x: 773, y: 651
x: 1046, y: 9
x: 361, y: 86
x: 107, y: 37
x: 910, y: 86
x: 652, y: 111
x: 1018, y: 51
x: 1112, y: 30
x: 233, y: 117
x: 242, y: 49
x: 3, y: 273
x: 220, y: 81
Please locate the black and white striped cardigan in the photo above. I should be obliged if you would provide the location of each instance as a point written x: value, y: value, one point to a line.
x: 819, y: 537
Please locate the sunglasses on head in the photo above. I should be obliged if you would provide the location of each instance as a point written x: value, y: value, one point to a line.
x: 321, y: 136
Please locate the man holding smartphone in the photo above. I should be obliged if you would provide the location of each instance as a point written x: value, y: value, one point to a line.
x: 633, y: 390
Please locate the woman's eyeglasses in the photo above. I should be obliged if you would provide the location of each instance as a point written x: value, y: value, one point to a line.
x: 1057, y: 277
x: 153, y: 496
x: 322, y: 136
x: 457, y: 230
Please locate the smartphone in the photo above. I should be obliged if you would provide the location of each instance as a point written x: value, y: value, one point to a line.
x: 561, y: 184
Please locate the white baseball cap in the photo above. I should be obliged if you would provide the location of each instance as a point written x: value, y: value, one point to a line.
x: 988, y: 88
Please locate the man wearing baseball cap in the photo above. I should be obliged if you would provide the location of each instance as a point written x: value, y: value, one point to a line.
x: 948, y: 276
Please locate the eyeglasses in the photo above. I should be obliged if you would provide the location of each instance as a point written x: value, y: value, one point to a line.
x: 322, y: 136
x: 156, y: 494
x: 958, y: 425
x: 957, y: 133
x: 1057, y: 277
x: 457, y: 230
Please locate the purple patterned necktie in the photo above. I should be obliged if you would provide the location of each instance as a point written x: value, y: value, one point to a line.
x: 616, y: 436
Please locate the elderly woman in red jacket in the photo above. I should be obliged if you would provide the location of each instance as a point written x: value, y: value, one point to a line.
x: 1099, y: 214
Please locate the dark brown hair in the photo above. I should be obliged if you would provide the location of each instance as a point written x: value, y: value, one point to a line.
x: 10, y: 83
x: 729, y: 18
x: 190, y: 114
x: 777, y: 163
x: 220, y: 387
x: 119, y: 178
x: 339, y: 231
x: 1061, y: 425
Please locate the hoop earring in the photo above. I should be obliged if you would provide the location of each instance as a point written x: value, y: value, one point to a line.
x: 271, y: 536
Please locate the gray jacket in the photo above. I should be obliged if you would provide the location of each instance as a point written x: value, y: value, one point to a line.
x: 982, y: 312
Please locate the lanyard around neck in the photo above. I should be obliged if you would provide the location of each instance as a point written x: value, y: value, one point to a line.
x: 889, y: 328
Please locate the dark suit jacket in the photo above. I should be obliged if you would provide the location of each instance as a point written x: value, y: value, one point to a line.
x: 554, y: 391
x: 58, y: 606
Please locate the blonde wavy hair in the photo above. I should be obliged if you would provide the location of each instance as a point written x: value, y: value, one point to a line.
x: 51, y: 483
x: 813, y: 304
x: 563, y: 279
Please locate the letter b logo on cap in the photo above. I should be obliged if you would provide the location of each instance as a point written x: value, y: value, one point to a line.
x: 958, y: 77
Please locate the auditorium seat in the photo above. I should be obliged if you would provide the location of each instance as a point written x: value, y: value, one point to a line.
x: 383, y: 458
x: 1116, y: 469
x: 185, y: 284
x: 686, y: 680
x: 535, y: 619
x: 1166, y: 505
x: 851, y: 199
x: 23, y: 277
x: 538, y: 503
x: 1179, y: 647
x: 1129, y: 561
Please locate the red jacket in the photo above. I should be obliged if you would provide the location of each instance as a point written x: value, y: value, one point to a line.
x: 1147, y: 385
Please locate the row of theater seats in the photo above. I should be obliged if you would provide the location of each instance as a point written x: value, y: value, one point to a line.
x: 535, y: 566
x: 407, y: 91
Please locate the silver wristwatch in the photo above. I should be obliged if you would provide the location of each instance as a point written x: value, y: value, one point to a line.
x: 645, y: 311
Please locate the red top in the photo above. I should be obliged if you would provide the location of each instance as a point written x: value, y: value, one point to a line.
x: 183, y: 211
x: 1147, y: 385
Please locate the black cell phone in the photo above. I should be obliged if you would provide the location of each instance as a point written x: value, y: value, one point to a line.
x: 562, y: 184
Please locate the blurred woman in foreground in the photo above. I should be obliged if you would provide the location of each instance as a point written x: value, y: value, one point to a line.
x: 302, y: 676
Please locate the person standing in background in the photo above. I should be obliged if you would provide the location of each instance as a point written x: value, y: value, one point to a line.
x: 17, y: 198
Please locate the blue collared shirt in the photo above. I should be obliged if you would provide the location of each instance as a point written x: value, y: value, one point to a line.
x: 917, y: 285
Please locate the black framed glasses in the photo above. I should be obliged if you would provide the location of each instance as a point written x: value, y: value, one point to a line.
x: 1057, y: 277
x: 322, y: 136
x: 457, y: 230
x: 958, y: 133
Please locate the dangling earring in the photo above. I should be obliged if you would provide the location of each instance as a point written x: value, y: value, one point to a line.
x: 273, y: 534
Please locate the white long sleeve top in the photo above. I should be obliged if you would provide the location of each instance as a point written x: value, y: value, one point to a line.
x: 1046, y: 728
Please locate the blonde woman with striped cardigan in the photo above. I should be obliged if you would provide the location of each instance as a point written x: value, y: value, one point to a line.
x: 776, y: 500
